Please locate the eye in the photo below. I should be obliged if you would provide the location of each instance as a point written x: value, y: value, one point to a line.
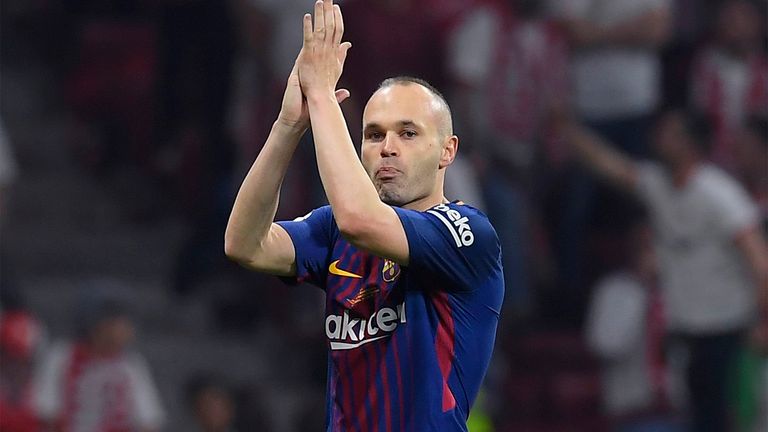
x: 409, y: 134
x: 374, y: 136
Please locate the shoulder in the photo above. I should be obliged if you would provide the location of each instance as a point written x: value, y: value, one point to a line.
x: 466, y: 224
x: 323, y: 212
x: 651, y: 177
x: 721, y: 188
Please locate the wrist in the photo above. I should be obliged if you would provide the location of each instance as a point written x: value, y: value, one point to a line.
x: 321, y: 96
x: 290, y: 130
x: 290, y: 127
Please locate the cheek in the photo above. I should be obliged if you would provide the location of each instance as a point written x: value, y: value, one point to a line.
x: 368, y: 158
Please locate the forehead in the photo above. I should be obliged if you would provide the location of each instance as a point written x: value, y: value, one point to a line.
x: 392, y: 104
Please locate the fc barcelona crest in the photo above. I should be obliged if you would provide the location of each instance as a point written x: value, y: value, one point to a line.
x: 391, y: 271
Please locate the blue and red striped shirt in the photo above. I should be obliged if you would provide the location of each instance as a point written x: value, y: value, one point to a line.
x: 408, y: 346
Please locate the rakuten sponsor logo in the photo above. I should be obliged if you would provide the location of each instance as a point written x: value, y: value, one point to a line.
x: 457, y: 224
x: 348, y: 333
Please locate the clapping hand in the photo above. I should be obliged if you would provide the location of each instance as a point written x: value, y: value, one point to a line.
x: 322, y: 56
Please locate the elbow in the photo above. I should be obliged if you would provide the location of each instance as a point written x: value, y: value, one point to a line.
x: 352, y: 225
x: 234, y: 250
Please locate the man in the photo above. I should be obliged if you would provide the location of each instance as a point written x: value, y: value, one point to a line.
x: 712, y: 256
x: 413, y: 282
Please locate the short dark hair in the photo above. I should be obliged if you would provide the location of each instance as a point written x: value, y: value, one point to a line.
x: 405, y: 80
x: 201, y: 382
x: 408, y: 80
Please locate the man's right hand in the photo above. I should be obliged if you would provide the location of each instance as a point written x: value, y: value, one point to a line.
x: 294, y: 112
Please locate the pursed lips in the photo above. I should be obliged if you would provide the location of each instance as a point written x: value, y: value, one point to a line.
x: 387, y: 173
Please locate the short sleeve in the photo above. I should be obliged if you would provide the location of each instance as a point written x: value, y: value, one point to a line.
x: 454, y: 243
x: 734, y: 210
x: 149, y: 410
x: 313, y: 240
x: 49, y: 376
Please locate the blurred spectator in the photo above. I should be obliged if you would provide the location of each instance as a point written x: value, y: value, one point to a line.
x: 730, y: 76
x: 625, y: 328
x: 712, y: 255
x: 110, y: 91
x: 751, y: 158
x: 507, y: 63
x: 8, y: 169
x: 8, y: 174
x: 212, y: 403
x: 96, y: 383
x: 195, y: 81
x: 21, y: 340
x: 616, y: 76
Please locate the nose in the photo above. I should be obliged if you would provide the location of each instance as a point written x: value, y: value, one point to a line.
x: 389, y: 146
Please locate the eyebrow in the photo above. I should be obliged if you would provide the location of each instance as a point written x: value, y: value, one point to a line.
x: 400, y: 123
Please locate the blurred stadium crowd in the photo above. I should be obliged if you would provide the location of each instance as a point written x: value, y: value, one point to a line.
x: 127, y: 126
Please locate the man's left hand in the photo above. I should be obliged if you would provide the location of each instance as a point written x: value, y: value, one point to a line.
x: 322, y: 56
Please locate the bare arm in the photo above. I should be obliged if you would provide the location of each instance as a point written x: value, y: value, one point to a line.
x: 651, y: 29
x: 361, y: 216
x: 252, y: 239
x: 599, y: 156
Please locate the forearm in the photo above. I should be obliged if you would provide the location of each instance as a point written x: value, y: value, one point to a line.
x: 256, y: 204
x: 347, y: 186
x: 599, y: 156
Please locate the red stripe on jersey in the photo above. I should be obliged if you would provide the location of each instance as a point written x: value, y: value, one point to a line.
x: 359, y: 373
x: 373, y: 400
x: 346, y: 400
x: 387, y: 401
x: 396, y: 355
x: 445, y: 345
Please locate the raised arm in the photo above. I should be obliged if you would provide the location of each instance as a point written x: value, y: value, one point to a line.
x: 252, y: 239
x: 362, y: 218
x: 597, y: 154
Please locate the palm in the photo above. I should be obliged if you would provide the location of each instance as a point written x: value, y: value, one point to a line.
x: 295, y: 110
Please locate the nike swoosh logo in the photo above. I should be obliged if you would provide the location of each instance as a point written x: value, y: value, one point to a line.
x: 339, y: 272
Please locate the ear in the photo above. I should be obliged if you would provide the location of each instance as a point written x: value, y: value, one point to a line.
x: 448, y: 152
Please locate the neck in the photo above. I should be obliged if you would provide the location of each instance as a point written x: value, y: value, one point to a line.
x: 426, y: 203
x: 683, y: 171
x: 434, y: 198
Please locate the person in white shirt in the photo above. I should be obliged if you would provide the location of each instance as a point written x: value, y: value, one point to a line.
x: 712, y: 255
x: 616, y: 78
x: 625, y: 330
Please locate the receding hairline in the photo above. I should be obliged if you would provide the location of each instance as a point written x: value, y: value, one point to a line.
x: 403, y: 80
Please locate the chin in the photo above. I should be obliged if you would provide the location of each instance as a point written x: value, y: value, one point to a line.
x: 391, y: 197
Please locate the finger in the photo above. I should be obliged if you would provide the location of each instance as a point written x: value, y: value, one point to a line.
x: 307, y: 29
x: 338, y: 21
x: 343, y: 48
x: 328, y: 17
x: 342, y: 95
x: 319, y: 20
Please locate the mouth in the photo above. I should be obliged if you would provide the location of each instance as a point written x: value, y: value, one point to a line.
x: 387, y: 173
